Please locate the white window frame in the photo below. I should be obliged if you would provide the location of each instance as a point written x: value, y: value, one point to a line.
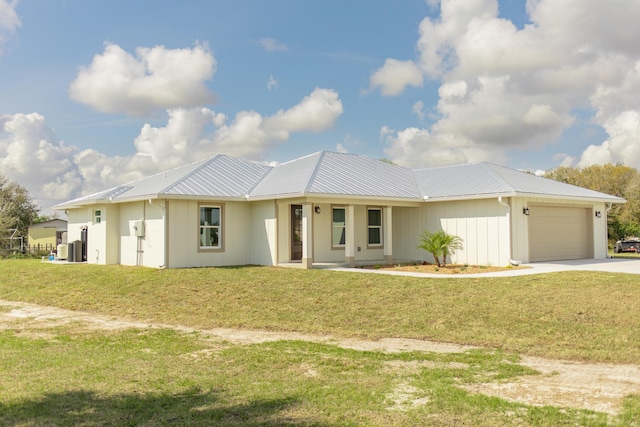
x: 376, y: 226
x: 219, y: 227
x: 335, y: 227
x: 97, y: 216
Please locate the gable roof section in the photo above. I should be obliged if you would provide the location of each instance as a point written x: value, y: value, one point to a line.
x: 330, y: 174
x: 337, y: 174
x: 480, y: 180
x: 219, y: 176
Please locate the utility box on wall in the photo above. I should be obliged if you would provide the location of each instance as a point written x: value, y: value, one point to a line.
x: 138, y: 226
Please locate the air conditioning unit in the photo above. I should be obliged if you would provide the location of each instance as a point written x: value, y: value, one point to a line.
x: 138, y: 226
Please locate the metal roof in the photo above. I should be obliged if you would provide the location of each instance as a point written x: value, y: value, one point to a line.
x: 336, y: 174
x: 486, y: 180
x: 290, y: 178
x: 343, y: 174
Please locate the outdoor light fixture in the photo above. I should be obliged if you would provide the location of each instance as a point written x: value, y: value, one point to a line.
x: 317, y: 209
x: 525, y: 211
x: 598, y: 214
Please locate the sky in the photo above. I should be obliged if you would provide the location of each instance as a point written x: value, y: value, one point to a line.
x: 94, y: 94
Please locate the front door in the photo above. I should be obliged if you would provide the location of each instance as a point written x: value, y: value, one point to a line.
x: 296, y: 232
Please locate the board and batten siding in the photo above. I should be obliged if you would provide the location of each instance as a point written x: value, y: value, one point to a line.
x: 184, y: 234
x: 483, y: 226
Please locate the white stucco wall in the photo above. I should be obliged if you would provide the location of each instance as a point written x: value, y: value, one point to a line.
x: 183, y: 238
x: 102, y: 238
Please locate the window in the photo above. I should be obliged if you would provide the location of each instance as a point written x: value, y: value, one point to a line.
x: 210, y: 227
x: 374, y: 225
x: 338, y: 227
x: 97, y: 216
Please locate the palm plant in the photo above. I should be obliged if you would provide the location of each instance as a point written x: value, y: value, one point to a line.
x: 440, y: 244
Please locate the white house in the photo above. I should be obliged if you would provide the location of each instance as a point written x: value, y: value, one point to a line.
x: 335, y: 208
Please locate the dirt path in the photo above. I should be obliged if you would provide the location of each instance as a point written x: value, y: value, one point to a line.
x: 599, y: 387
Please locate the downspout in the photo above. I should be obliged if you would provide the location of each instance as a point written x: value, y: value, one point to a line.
x: 513, y: 262
x: 164, y: 255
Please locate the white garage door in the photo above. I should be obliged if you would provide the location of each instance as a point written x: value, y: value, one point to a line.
x: 559, y: 233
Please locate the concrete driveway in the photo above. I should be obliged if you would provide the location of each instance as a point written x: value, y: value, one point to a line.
x: 610, y: 265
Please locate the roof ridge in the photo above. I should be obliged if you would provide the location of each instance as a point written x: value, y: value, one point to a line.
x: 489, y: 166
x: 321, y: 156
x: 264, y: 175
x: 189, y: 175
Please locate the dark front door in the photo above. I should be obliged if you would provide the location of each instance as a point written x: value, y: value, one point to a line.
x: 296, y: 232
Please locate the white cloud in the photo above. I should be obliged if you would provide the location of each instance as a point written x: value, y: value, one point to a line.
x: 272, y: 45
x: 9, y: 21
x: 271, y: 83
x: 315, y: 113
x: 417, y: 148
x: 156, y: 78
x: 505, y: 88
x: 623, y: 145
x: 395, y: 76
x: 53, y: 171
x: 418, y: 110
x: 31, y: 156
x: 341, y: 148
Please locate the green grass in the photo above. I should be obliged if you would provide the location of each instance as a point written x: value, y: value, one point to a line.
x: 162, y: 377
x: 574, y: 315
x: 69, y: 375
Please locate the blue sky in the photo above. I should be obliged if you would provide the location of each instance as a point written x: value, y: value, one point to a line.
x: 97, y: 93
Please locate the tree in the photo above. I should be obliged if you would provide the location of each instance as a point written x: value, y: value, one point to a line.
x: 17, y: 209
x: 440, y: 244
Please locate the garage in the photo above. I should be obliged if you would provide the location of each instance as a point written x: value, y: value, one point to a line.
x: 560, y: 232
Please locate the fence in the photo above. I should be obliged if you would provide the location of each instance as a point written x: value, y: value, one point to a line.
x: 27, y: 249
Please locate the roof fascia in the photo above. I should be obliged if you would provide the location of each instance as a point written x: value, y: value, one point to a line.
x: 613, y: 199
x: 468, y: 197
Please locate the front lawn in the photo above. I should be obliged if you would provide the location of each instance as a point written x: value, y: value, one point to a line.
x: 58, y: 373
x: 574, y: 315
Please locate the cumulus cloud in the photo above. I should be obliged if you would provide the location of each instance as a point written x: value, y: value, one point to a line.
x: 9, y: 21
x: 418, y: 109
x: 154, y: 79
x: 395, y: 76
x: 503, y: 87
x: 31, y: 155
x: 272, y: 45
x: 52, y: 171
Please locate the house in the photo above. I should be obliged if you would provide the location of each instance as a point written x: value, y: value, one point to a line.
x: 47, y: 234
x: 335, y: 208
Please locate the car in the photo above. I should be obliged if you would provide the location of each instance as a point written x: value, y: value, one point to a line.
x: 630, y: 244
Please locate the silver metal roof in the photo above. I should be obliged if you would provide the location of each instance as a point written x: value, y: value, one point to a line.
x: 486, y: 180
x: 329, y: 173
x: 290, y: 178
x: 336, y: 174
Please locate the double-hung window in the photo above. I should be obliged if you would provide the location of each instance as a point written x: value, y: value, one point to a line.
x: 97, y: 216
x: 210, y: 227
x: 374, y: 226
x: 338, y: 227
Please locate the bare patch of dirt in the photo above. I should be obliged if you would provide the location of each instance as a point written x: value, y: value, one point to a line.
x: 447, y: 269
x: 598, y: 387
